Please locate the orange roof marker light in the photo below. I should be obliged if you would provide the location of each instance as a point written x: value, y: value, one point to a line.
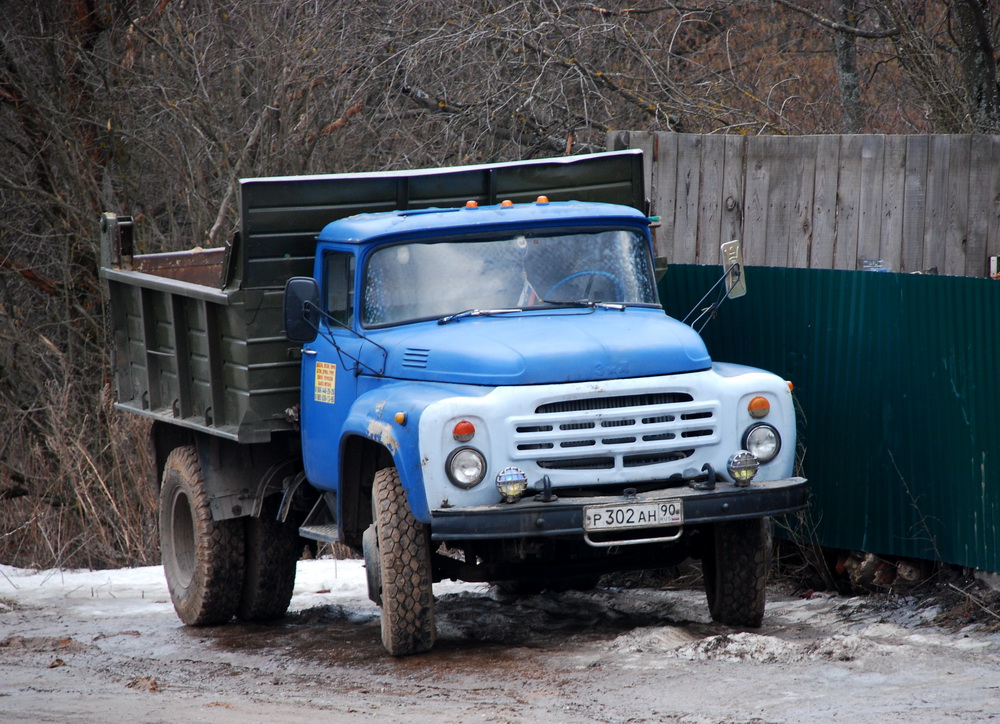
x: 471, y: 204
x: 506, y: 203
x: 542, y: 200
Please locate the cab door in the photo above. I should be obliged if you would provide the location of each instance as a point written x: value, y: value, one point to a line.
x: 330, y: 371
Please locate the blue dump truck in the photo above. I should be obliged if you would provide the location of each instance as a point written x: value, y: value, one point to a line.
x: 461, y: 373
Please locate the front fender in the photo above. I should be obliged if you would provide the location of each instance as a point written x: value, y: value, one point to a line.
x: 389, y: 415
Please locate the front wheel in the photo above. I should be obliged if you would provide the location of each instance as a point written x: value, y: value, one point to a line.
x: 405, y: 577
x: 202, y: 558
x: 735, y: 567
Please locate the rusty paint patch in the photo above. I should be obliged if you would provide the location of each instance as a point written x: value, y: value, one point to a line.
x: 382, y: 432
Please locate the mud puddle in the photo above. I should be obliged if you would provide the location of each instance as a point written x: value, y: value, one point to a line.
x: 475, y: 630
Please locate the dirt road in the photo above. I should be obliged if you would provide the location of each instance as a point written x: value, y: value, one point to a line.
x: 106, y: 646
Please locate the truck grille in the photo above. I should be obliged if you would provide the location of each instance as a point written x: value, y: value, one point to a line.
x: 618, y: 432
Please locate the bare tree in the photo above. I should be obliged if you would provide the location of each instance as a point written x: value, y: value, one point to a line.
x: 946, y: 50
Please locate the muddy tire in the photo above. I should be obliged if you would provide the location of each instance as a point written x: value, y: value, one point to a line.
x: 272, y: 550
x: 735, y: 568
x: 202, y: 558
x: 405, y: 567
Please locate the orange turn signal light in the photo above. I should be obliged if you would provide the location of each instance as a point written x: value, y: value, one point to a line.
x: 759, y: 407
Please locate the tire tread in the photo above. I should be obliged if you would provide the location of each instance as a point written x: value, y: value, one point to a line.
x: 736, y: 572
x: 272, y: 550
x: 407, y: 580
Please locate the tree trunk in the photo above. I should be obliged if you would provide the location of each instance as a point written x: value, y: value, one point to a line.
x: 852, y: 117
x: 979, y: 69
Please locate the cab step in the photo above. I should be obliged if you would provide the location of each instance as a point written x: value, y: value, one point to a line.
x: 324, y: 533
x: 320, y: 525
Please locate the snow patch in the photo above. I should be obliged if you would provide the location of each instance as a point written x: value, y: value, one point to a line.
x: 738, y: 647
x: 652, y: 640
x: 762, y: 649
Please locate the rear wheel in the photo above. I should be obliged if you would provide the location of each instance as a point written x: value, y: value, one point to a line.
x: 405, y: 577
x: 202, y: 558
x: 735, y: 568
x: 272, y: 550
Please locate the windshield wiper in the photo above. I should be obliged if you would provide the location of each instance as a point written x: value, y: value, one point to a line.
x: 586, y: 303
x: 477, y: 313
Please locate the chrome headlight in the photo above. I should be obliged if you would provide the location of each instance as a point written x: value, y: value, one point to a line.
x: 763, y: 441
x: 466, y: 467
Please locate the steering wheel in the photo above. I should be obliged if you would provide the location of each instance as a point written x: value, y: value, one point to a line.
x: 592, y: 273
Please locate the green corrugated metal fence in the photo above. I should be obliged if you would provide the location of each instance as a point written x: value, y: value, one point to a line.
x: 897, y: 379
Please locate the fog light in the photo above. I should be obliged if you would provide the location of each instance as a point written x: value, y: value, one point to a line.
x: 466, y: 467
x: 512, y: 482
x: 742, y: 467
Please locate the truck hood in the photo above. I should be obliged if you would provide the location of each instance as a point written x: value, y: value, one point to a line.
x: 528, y: 348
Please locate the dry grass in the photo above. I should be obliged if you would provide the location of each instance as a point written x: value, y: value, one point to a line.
x: 75, y: 492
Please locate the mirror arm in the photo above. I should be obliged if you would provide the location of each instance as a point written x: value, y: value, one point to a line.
x: 358, y: 364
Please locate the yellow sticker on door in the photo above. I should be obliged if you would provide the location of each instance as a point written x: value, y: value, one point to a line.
x: 326, y: 381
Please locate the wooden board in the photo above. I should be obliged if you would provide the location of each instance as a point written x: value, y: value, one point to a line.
x: 927, y: 203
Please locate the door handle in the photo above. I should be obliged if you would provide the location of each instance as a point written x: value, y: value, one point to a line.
x: 308, y: 351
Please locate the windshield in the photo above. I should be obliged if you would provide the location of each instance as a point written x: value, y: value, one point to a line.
x: 423, y: 280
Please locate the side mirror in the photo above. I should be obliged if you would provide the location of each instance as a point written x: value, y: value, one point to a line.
x: 732, y: 265
x: 301, y: 309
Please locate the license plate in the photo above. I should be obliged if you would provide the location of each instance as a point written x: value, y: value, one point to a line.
x: 622, y: 516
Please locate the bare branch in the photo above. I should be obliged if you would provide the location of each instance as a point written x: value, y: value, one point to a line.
x: 839, y: 27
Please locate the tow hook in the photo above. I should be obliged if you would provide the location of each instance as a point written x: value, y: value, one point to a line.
x: 710, y: 479
x: 546, y: 496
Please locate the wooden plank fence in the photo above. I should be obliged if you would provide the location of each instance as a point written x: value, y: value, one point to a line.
x: 901, y: 203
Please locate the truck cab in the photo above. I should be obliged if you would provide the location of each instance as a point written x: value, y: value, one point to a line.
x: 539, y: 418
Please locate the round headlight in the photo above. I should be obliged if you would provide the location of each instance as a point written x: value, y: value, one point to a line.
x: 466, y: 467
x: 763, y: 441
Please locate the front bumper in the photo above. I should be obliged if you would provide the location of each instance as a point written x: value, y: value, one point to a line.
x: 564, y: 517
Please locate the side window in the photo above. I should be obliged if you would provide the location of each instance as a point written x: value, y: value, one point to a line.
x: 339, y: 274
